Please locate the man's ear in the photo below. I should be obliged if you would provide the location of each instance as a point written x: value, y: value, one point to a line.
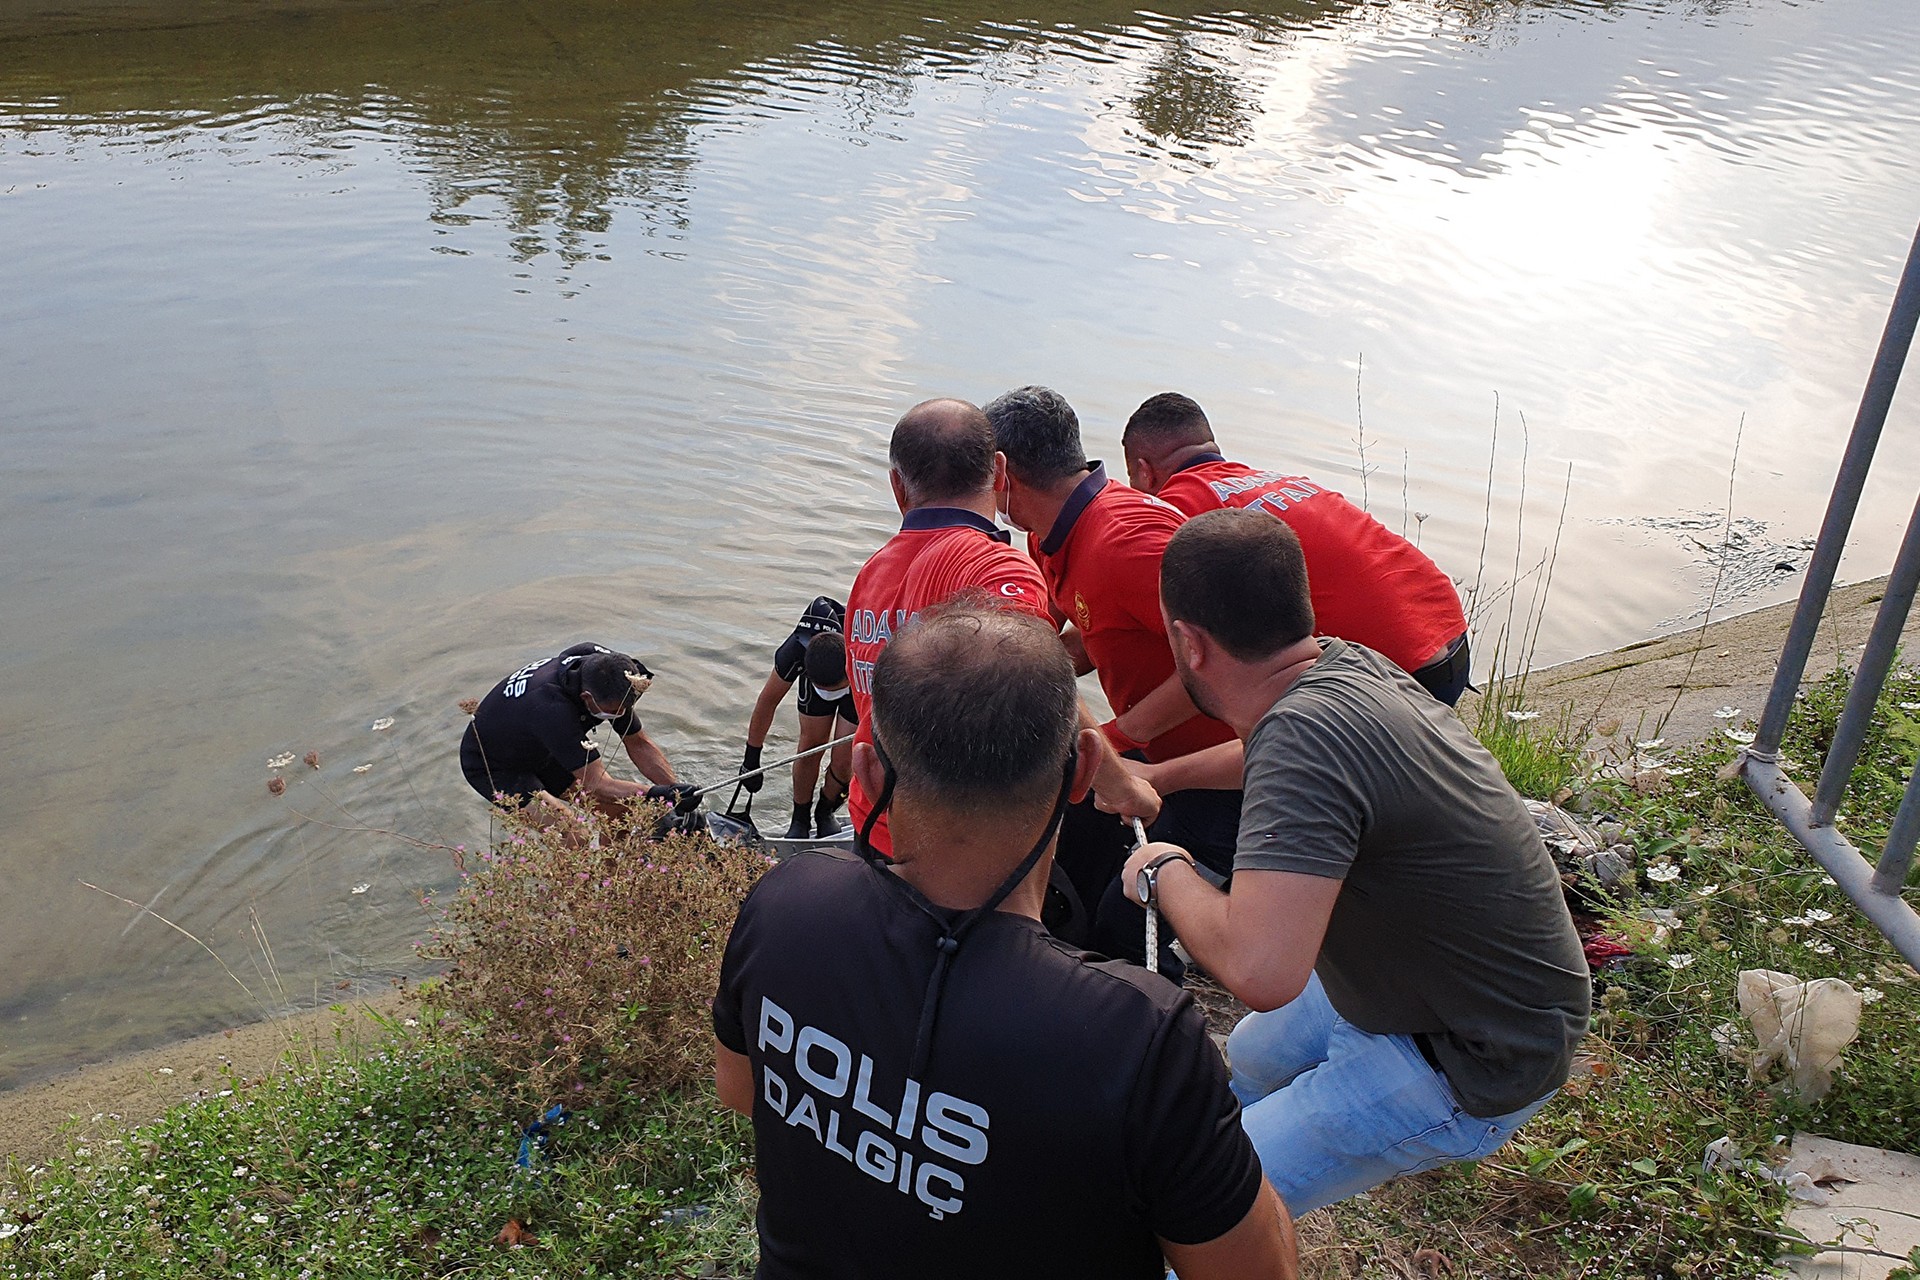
x: 1085, y: 765
x: 1196, y: 646
x: 899, y: 490
x: 867, y: 769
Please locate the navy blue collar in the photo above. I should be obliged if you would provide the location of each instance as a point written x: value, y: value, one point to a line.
x: 1076, y: 504
x: 922, y: 519
x: 1198, y: 460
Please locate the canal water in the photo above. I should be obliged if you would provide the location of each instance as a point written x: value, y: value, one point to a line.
x: 353, y: 354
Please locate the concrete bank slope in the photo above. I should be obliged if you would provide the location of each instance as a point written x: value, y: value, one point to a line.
x: 92, y: 1103
x: 1681, y: 679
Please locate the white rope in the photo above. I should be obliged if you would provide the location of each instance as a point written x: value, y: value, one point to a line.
x: 1153, y: 917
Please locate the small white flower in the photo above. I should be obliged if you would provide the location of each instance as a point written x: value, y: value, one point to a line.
x: 1665, y: 873
x: 262, y: 1219
x: 1871, y: 995
x: 362, y: 887
x: 1680, y: 961
x: 280, y: 761
x: 1795, y: 920
x: 1726, y: 713
x: 384, y: 722
x: 1523, y: 715
x: 1740, y: 736
x: 1707, y: 890
x: 1816, y: 916
x: 411, y: 1022
x: 1820, y: 948
x: 361, y: 768
x: 239, y: 1170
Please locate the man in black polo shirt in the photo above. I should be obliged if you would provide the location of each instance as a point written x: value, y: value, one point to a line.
x: 815, y: 658
x: 938, y: 1086
x: 530, y: 737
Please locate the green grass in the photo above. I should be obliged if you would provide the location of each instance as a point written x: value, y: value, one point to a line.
x: 400, y: 1161
x: 1608, y: 1180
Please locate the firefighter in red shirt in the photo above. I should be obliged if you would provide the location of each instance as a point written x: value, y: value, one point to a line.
x: 1098, y: 543
x: 944, y: 474
x: 1369, y: 584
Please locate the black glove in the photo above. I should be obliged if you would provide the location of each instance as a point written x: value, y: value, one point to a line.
x: 748, y: 763
x: 679, y: 793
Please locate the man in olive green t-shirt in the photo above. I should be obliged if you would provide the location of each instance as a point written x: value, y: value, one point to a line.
x: 1393, y: 914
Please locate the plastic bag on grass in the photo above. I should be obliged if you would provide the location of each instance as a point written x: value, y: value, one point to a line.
x: 1802, y: 1025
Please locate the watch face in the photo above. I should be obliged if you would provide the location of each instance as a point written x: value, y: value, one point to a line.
x: 1143, y: 885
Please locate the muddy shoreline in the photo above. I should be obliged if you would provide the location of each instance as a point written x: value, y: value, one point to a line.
x: 1676, y: 681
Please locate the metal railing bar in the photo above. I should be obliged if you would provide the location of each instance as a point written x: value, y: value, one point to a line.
x: 1870, y: 676
x: 1889, y: 912
x: 1890, y: 877
x: 1852, y: 477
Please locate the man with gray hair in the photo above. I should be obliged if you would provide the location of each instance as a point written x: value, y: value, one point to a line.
x: 922, y: 1060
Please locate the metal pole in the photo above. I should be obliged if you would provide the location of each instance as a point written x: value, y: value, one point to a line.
x: 1888, y: 911
x: 712, y: 787
x: 1845, y: 501
x: 1870, y: 676
x: 1897, y: 855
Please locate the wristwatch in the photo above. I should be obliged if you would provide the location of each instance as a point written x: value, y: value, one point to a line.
x: 1147, y: 883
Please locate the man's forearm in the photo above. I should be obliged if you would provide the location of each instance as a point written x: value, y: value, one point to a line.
x: 649, y: 759
x: 1221, y: 767
x: 764, y: 708
x: 1166, y: 708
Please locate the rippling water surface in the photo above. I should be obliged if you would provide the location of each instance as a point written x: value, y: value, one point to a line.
x: 356, y: 353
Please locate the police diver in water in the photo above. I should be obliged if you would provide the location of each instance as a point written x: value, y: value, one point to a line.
x: 814, y: 657
x: 529, y: 741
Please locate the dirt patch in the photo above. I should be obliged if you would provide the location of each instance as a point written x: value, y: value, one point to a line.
x: 38, y: 1121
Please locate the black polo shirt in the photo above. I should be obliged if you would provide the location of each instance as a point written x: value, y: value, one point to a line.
x: 1072, y: 1110
x: 534, y: 720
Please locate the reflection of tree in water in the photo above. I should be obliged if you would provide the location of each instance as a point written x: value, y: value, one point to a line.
x: 1188, y: 102
x: 557, y: 118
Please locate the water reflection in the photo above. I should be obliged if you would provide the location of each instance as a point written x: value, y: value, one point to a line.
x: 357, y: 351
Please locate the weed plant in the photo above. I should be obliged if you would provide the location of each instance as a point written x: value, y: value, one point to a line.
x: 588, y: 971
x: 397, y: 1162
x: 1609, y: 1181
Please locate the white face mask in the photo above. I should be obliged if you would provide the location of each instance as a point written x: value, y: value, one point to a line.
x: 832, y: 695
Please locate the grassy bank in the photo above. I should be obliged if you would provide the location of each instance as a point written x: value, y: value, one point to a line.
x: 401, y: 1159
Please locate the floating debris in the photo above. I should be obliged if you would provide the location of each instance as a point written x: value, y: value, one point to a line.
x: 361, y: 768
x: 313, y: 759
x: 469, y: 705
x: 281, y: 761
x: 362, y: 887
x: 384, y: 722
x: 276, y: 785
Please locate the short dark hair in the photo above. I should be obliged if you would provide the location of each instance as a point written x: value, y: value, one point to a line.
x: 826, y: 660
x: 604, y: 675
x: 943, y: 450
x: 1239, y: 576
x: 1040, y: 434
x: 1168, y: 419
x: 975, y: 705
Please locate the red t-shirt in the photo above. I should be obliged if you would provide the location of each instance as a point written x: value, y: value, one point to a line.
x: 938, y: 553
x: 1368, y: 584
x: 1102, y: 564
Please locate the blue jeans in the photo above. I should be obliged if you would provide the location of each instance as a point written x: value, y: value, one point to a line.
x: 1334, y: 1110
